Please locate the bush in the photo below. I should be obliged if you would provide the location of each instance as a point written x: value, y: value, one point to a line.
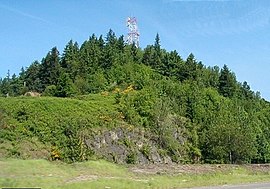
x: 132, y: 158
x: 50, y: 91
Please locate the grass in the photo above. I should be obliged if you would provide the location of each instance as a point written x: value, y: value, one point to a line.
x: 102, y: 174
x: 50, y: 121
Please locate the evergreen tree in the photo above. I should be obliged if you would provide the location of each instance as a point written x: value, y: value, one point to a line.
x: 148, y: 55
x: 50, y: 68
x: 157, y: 44
x: 121, y: 44
x: 111, y: 39
x: 110, y: 50
x: 90, y: 57
x: 15, y: 86
x: 191, y: 67
x: 64, y: 87
x: 246, y: 91
x: 135, y: 53
x: 5, y: 85
x: 157, y: 56
x: 70, y: 59
x: 171, y: 64
x: 101, y: 42
x: 227, y: 82
x: 32, y: 78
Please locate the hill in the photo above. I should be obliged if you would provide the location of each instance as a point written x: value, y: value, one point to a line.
x: 110, y: 100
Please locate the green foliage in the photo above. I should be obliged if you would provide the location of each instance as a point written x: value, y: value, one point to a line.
x: 50, y: 90
x: 227, y: 82
x: 145, y: 150
x: 173, y: 132
x: 55, y: 121
x: 131, y: 74
x: 81, y: 85
x: 194, y: 113
x: 50, y: 69
x: 97, y: 82
x: 70, y: 59
x: 137, y: 106
x: 131, y: 158
x: 32, y: 77
x: 65, y: 87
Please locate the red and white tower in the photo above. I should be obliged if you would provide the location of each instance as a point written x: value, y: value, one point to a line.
x: 133, y: 31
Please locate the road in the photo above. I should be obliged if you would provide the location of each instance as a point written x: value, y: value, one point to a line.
x: 241, y: 186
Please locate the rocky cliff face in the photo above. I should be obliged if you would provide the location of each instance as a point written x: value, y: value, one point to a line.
x: 122, y: 144
x: 126, y: 145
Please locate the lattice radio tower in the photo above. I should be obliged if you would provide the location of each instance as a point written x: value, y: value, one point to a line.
x: 133, y: 31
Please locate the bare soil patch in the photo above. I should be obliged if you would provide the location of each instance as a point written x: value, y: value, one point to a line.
x: 195, y: 168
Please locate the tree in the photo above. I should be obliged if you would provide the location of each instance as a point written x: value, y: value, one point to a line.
x: 135, y: 53
x: 15, y: 85
x: 157, y: 44
x: 32, y: 77
x: 246, y: 91
x: 121, y: 44
x: 230, y: 137
x: 148, y: 55
x: 110, y: 50
x: 70, y: 59
x: 50, y: 68
x: 111, y: 38
x: 50, y: 91
x: 153, y: 55
x: 5, y: 85
x: 157, y: 56
x: 64, y: 87
x: 210, y: 77
x: 171, y: 64
x: 227, y: 82
x: 90, y: 57
x: 97, y: 82
x: 81, y: 85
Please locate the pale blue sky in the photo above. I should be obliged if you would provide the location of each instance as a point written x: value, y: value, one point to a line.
x: 217, y: 32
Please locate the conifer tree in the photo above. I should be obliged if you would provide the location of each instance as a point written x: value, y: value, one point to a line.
x: 227, y: 82
x: 157, y: 56
x: 70, y: 59
x: 50, y: 68
x: 33, y: 77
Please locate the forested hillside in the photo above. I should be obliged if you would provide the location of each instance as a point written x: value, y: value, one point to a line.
x: 179, y: 110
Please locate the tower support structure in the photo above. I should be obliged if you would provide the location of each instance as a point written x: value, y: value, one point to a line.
x: 133, y: 31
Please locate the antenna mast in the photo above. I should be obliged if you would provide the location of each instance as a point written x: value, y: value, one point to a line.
x: 133, y: 32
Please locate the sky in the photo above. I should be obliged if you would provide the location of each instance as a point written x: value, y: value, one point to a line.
x: 217, y: 32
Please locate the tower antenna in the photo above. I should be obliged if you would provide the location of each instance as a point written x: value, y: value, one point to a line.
x: 133, y: 31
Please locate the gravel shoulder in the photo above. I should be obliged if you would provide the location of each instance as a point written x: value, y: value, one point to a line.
x: 240, y: 186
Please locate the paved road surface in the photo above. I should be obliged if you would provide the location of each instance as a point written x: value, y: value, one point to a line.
x: 242, y: 186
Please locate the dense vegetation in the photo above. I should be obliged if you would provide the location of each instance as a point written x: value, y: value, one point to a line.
x: 215, y: 117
